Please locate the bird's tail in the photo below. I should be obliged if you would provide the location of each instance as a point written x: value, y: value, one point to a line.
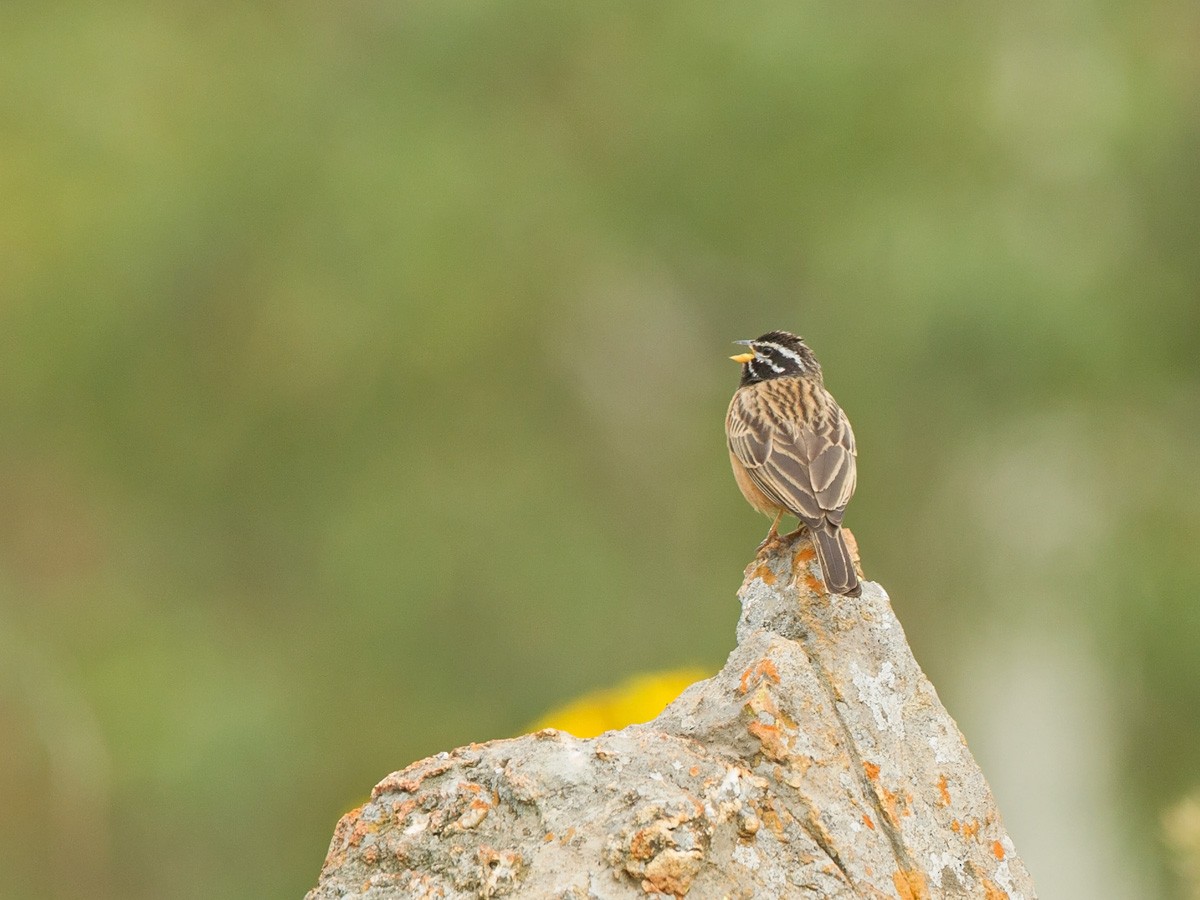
x: 836, y: 564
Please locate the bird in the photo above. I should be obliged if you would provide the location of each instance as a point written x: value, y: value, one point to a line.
x: 792, y: 449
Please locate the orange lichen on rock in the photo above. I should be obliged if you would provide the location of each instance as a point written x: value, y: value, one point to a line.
x: 969, y: 829
x: 475, y: 814
x: 644, y: 843
x: 773, y: 740
x: 805, y: 554
x: 871, y: 769
x: 911, y: 884
x: 409, y: 779
x: 992, y: 891
x: 800, y: 560
x: 343, y: 832
x: 896, y: 805
x: 769, y: 815
x: 945, y: 791
x: 401, y: 809
x: 763, y: 669
x: 663, y: 855
x: 764, y: 574
x: 346, y: 825
x: 672, y: 872
x: 867, y: 821
x: 997, y: 850
x: 361, y: 829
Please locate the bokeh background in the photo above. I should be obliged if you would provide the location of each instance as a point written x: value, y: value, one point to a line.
x: 364, y: 367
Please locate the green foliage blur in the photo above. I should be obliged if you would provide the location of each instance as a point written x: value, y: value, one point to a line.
x: 364, y: 371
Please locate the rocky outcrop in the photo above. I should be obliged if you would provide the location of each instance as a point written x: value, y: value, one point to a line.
x: 818, y: 763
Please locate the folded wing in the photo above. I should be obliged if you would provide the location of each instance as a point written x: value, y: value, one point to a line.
x: 808, y: 468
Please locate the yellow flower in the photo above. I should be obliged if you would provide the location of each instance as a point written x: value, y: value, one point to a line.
x: 637, y: 699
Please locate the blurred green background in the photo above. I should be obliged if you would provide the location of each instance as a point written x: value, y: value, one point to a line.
x: 363, y: 380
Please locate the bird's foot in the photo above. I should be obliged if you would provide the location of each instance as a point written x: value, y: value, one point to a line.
x: 772, y: 538
x: 769, y: 543
x: 792, y: 535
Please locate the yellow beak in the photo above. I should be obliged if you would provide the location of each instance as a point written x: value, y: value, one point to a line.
x: 742, y: 357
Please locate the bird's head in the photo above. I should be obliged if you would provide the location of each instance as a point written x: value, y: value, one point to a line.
x: 777, y: 354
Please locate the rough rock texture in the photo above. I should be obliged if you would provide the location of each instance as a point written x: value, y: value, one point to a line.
x: 817, y: 763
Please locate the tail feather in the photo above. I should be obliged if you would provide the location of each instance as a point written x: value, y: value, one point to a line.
x: 836, y: 563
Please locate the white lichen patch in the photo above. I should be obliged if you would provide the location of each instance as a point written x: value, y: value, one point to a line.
x: 940, y: 754
x: 419, y: 823
x: 1004, y: 876
x: 879, y: 695
x: 755, y: 592
x: 746, y: 855
x: 730, y: 785
x: 725, y: 801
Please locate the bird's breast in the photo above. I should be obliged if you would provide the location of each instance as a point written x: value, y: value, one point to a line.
x: 749, y: 489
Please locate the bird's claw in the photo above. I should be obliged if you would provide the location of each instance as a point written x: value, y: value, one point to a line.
x: 792, y: 535
x: 770, y: 542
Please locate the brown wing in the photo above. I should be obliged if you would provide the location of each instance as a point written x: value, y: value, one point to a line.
x: 806, y: 467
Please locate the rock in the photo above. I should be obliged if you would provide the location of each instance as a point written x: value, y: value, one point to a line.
x: 818, y: 763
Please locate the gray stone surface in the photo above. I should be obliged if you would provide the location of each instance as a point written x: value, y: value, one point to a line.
x: 817, y: 763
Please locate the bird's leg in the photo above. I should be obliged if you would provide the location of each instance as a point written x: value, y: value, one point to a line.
x: 772, y: 535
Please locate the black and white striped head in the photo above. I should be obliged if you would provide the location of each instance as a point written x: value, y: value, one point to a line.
x: 777, y: 354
